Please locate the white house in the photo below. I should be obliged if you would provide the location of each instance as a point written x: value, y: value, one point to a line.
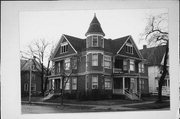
x: 155, y: 58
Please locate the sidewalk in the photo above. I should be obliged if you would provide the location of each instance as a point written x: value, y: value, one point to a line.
x: 118, y: 107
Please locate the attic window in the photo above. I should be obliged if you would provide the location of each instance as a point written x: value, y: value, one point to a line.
x: 64, y: 47
x: 129, y: 48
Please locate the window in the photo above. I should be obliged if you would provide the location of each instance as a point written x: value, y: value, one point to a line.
x: 25, y: 87
x: 94, y: 41
x: 107, y: 61
x: 67, y: 64
x: 74, y: 63
x: 33, y: 67
x: 95, y: 59
x: 101, y: 42
x: 94, y: 82
x: 58, y: 67
x: 142, y: 84
x: 129, y: 48
x: 125, y: 64
x: 132, y: 65
x: 33, y: 87
x: 141, y: 67
x: 33, y: 76
x: 74, y: 83
x: 64, y: 47
x: 67, y: 84
x: 107, y: 83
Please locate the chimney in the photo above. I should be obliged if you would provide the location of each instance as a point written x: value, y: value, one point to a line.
x: 144, y: 46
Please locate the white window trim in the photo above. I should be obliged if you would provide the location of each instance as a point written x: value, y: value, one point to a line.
x: 131, y: 60
x: 108, y: 88
x: 97, y: 40
x: 130, y: 45
x: 63, y: 44
x: 67, y: 60
x: 26, y: 87
x: 95, y: 82
x: 125, y: 60
x: 93, y: 60
x: 107, y: 61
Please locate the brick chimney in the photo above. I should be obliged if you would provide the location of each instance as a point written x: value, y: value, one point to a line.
x: 144, y: 46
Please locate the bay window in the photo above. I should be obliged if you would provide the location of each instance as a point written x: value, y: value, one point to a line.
x: 94, y: 82
x: 94, y: 41
x: 94, y: 59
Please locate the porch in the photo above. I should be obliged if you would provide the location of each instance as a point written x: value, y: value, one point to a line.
x: 127, y: 86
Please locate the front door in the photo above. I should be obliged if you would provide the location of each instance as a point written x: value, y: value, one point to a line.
x: 118, y: 85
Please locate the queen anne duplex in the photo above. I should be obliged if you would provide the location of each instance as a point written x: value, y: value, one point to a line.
x: 101, y: 67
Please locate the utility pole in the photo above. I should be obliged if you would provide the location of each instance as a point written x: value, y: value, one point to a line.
x: 30, y: 76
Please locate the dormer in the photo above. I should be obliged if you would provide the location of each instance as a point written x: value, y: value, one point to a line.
x: 95, y: 34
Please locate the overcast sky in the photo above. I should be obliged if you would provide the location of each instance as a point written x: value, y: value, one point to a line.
x: 50, y: 25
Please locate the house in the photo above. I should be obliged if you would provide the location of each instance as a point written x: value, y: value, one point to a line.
x: 101, y: 67
x: 32, y: 67
x: 155, y: 57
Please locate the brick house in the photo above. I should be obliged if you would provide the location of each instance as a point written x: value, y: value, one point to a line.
x: 154, y: 57
x: 35, y: 79
x: 101, y: 67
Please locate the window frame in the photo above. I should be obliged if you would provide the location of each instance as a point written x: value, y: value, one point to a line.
x: 107, y: 59
x: 94, y: 82
x: 67, y: 64
x: 74, y: 84
x: 125, y: 66
x: 141, y: 67
x: 132, y: 63
x: 95, y: 37
x: 67, y: 87
x: 107, y: 83
x: 64, y: 48
x: 129, y: 48
x: 94, y: 60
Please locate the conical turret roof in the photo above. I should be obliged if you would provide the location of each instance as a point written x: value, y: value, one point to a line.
x: 95, y: 27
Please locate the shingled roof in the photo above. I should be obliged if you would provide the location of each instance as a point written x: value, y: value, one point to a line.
x: 95, y: 27
x: 26, y: 63
x: 77, y: 43
x: 111, y: 45
x: 154, y: 55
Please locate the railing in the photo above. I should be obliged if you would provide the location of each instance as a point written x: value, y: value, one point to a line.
x: 117, y: 70
x: 131, y: 95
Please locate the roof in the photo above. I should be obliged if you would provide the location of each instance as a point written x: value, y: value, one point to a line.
x: 154, y: 55
x: 78, y: 43
x: 95, y: 27
x: 118, y: 43
x: 25, y: 65
x: 110, y: 45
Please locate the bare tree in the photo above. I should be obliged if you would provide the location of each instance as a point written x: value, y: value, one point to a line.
x: 38, y: 50
x: 156, y: 33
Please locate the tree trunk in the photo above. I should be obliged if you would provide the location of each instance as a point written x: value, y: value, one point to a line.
x: 46, y: 79
x: 162, y: 78
x: 42, y: 79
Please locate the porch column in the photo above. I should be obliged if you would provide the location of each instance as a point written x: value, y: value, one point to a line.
x: 123, y: 84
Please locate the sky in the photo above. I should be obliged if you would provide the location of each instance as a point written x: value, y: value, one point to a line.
x: 50, y: 25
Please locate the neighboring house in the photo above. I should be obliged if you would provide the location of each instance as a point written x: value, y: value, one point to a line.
x: 155, y: 57
x: 101, y: 67
x: 35, y: 77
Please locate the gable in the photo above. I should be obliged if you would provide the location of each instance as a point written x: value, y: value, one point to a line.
x: 135, y: 53
x: 57, y: 52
